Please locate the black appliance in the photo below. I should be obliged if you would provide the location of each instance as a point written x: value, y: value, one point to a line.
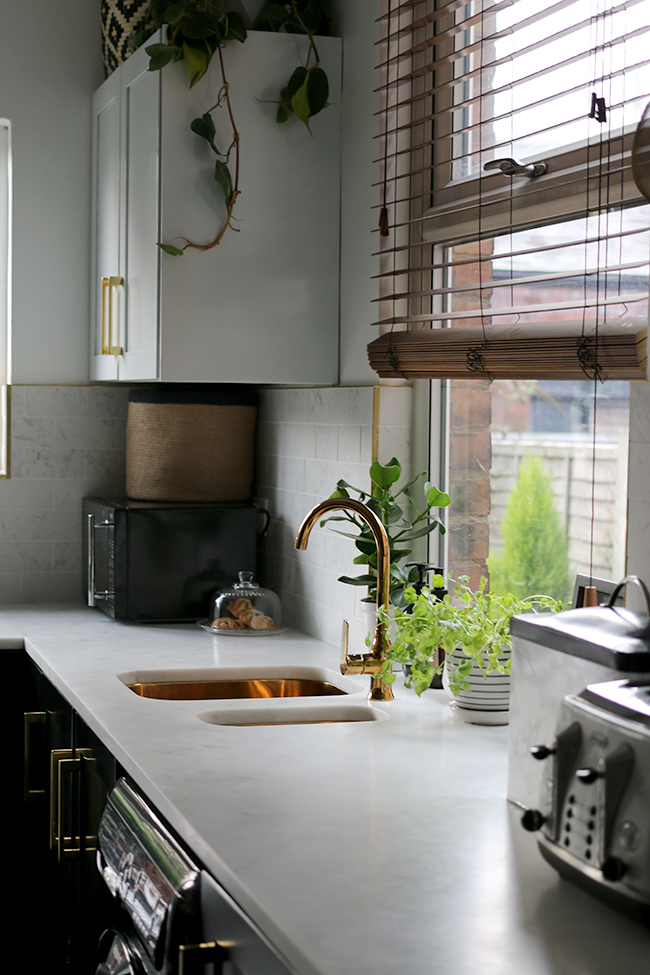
x: 160, y: 562
x: 174, y: 918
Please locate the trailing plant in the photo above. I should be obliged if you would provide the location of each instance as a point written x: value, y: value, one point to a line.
x: 401, y: 527
x: 307, y: 90
x: 476, y: 622
x: 196, y: 30
x: 535, y: 556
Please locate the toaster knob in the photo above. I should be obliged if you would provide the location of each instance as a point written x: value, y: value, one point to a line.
x: 532, y: 820
x: 587, y: 775
x: 541, y: 752
x: 613, y: 868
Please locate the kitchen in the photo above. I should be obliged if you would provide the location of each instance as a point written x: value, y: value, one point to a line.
x: 70, y: 441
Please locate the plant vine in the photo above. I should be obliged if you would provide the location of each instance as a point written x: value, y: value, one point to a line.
x: 199, y: 29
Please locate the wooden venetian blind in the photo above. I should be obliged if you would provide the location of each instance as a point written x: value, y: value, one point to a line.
x: 508, y: 203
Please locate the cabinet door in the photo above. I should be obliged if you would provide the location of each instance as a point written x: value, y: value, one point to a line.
x: 125, y: 260
x: 105, y: 239
x: 140, y: 226
x: 96, y: 910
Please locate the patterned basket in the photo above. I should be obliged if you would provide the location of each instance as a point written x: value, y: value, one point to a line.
x: 120, y: 19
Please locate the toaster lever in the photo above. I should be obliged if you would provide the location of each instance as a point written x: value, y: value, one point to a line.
x: 587, y: 775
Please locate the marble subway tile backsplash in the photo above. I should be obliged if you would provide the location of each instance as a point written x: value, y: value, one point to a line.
x: 307, y: 440
x: 67, y: 442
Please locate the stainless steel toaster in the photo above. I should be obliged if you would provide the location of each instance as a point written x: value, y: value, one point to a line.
x: 555, y: 654
x: 593, y: 816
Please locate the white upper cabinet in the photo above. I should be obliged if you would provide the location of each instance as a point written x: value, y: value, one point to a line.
x: 262, y: 306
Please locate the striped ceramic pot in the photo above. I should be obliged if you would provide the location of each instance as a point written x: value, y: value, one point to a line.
x: 487, y: 700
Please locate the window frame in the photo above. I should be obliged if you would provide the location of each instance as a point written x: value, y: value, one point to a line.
x: 6, y: 197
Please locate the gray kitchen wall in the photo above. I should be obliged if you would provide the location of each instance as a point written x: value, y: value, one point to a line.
x: 67, y: 442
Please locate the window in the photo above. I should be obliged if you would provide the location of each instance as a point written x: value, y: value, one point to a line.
x: 5, y: 291
x: 476, y: 94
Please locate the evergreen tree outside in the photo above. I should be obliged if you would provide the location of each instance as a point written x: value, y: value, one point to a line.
x: 534, y: 558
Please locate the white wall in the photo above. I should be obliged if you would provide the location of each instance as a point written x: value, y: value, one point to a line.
x: 51, y: 63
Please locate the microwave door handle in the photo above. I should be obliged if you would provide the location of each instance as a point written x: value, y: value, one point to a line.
x: 91, y: 526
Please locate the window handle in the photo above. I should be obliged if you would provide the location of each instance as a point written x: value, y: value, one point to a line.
x: 510, y: 167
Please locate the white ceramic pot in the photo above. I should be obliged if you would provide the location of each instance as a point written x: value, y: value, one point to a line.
x: 487, y: 701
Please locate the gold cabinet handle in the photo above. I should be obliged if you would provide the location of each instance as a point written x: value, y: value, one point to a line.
x: 64, y: 762
x: 108, y: 284
x: 190, y: 957
x: 31, y: 718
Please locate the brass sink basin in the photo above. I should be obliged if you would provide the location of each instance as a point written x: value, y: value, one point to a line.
x: 228, y: 690
x: 212, y: 684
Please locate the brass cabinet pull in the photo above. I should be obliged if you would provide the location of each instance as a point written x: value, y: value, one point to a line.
x: 108, y: 284
x: 64, y: 762
x: 32, y: 718
x: 191, y: 956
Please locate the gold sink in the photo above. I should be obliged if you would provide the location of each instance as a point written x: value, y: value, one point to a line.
x: 228, y: 690
x: 213, y: 684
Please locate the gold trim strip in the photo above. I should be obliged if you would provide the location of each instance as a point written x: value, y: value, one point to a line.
x: 376, y: 393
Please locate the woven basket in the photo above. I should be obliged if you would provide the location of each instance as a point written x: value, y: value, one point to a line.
x: 191, y: 443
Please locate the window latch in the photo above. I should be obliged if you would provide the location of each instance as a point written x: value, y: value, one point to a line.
x: 510, y: 167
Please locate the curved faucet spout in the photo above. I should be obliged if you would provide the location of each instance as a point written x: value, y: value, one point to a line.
x: 367, y: 663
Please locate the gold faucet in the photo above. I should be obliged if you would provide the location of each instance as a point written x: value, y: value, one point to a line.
x: 372, y: 662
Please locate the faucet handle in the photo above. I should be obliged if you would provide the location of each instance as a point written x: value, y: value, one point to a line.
x: 344, y: 646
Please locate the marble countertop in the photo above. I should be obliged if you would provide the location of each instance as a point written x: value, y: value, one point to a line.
x: 361, y: 848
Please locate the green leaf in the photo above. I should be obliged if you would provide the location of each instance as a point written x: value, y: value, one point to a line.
x: 196, y: 62
x: 318, y: 90
x: 384, y: 477
x: 365, y: 580
x: 204, y: 128
x: 284, y: 112
x: 300, y: 104
x: 171, y: 250
x: 160, y: 55
x: 172, y: 12
x: 418, y: 532
x: 199, y: 24
x: 236, y: 27
x: 295, y: 83
x: 273, y: 17
x: 138, y: 39
x: 224, y: 179
x: 435, y: 498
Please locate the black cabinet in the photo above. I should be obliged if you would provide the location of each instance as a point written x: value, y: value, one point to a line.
x: 59, y: 776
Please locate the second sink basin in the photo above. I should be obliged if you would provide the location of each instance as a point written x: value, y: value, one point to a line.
x: 222, y: 684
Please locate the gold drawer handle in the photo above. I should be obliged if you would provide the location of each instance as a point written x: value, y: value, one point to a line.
x: 64, y: 762
x: 32, y: 718
x: 194, y: 957
x: 108, y: 284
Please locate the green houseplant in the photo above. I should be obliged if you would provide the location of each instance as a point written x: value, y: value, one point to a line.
x: 472, y: 627
x: 405, y: 518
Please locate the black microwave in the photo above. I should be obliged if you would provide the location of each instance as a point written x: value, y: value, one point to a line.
x: 156, y: 562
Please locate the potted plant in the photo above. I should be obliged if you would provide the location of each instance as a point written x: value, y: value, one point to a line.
x: 405, y: 518
x: 473, y: 628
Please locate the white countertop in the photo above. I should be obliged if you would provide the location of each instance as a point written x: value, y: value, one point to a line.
x: 365, y: 848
